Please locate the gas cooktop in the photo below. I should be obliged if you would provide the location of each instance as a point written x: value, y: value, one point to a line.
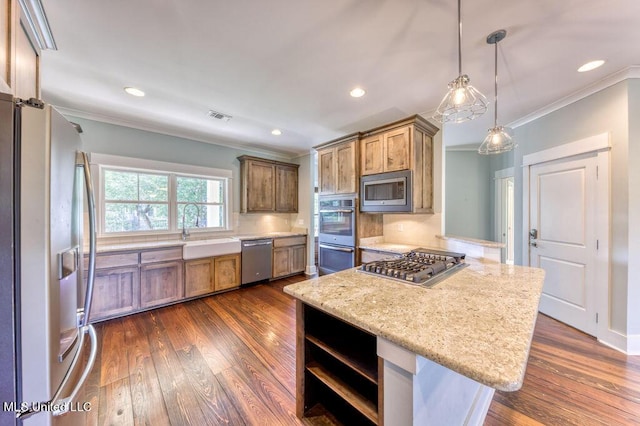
x: 421, y: 266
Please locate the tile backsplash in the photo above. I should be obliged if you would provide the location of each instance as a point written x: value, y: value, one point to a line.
x: 242, y: 224
x: 413, y: 229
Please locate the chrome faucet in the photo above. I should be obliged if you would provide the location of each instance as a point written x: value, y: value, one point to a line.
x: 185, y: 232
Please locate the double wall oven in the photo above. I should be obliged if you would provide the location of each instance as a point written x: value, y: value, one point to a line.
x: 336, y: 233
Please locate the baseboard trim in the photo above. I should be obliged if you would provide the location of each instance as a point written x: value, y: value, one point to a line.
x: 633, y: 344
x: 311, y: 270
x: 628, y: 344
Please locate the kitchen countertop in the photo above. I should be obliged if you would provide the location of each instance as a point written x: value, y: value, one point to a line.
x: 389, y: 247
x: 482, y: 243
x: 479, y: 322
x: 149, y: 245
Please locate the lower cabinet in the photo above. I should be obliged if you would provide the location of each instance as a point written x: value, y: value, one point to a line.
x: 204, y: 276
x: 226, y: 272
x: 198, y: 277
x: 134, y: 280
x: 115, y: 292
x: 160, y: 283
x: 128, y: 281
x: 289, y: 256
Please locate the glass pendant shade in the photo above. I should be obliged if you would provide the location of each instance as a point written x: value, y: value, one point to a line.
x: 498, y: 140
x: 463, y: 102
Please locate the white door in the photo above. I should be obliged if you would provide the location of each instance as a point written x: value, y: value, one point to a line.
x: 562, y: 218
x: 504, y: 215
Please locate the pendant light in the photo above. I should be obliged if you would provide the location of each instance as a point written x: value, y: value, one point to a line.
x: 499, y: 139
x: 463, y: 102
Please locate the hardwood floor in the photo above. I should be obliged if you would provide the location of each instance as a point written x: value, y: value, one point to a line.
x: 230, y: 359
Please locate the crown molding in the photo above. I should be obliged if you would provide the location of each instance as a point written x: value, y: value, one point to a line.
x: 608, y: 81
x: 164, y: 130
x: 462, y: 148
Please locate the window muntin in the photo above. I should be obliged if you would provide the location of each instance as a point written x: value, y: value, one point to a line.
x: 135, y: 201
x: 142, y: 201
x: 207, y: 194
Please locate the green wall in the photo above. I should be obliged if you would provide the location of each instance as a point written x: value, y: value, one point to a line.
x: 112, y: 139
x: 468, y: 195
x: 606, y: 111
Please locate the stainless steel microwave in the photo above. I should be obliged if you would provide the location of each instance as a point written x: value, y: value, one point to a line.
x: 386, y: 192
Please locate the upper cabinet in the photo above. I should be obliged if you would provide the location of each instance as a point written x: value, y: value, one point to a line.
x: 286, y: 187
x: 403, y: 145
x: 388, y: 151
x: 19, y: 56
x: 337, y: 166
x: 268, y: 186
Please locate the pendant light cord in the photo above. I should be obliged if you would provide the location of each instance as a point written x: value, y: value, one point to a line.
x: 495, y: 64
x: 459, y: 40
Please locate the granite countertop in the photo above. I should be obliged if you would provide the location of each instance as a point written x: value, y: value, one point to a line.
x: 389, y: 247
x: 482, y: 243
x: 479, y: 322
x: 149, y: 245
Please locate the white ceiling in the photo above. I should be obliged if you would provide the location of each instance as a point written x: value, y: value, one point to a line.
x: 290, y: 64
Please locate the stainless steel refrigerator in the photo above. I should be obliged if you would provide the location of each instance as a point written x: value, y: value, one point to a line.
x: 47, y: 346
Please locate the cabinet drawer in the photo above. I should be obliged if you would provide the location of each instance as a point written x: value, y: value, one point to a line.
x: 151, y: 256
x: 113, y: 260
x: 289, y: 241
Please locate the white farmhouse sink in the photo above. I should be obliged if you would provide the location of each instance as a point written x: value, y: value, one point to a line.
x: 209, y: 248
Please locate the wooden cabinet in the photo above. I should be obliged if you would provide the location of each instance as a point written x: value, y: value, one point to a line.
x: 129, y: 281
x: 388, y: 151
x: 160, y: 277
x: 160, y: 283
x: 198, y: 277
x: 289, y: 256
x: 226, y: 272
x: 268, y: 186
x: 204, y: 276
x: 286, y: 196
x: 337, y: 367
x: 403, y: 145
x: 337, y: 166
x: 19, y: 55
x: 7, y: 43
x: 134, y: 280
x: 115, y: 292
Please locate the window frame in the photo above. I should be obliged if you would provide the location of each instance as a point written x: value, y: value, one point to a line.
x: 101, y: 162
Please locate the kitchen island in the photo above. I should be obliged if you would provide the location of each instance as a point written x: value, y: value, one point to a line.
x: 440, y: 351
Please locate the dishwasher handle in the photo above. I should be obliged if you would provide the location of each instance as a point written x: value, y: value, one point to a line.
x: 261, y: 243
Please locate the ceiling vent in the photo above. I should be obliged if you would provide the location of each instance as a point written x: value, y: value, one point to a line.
x: 218, y: 115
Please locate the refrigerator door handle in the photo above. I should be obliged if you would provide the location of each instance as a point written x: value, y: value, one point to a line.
x: 82, y: 160
x: 64, y: 405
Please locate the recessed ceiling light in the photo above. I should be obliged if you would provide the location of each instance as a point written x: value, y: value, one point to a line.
x: 357, y: 92
x: 134, y: 91
x: 276, y: 132
x: 591, y: 65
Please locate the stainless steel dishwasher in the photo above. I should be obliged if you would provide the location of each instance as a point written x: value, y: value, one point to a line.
x: 256, y: 260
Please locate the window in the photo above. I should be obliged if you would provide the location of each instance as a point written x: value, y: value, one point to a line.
x: 140, y: 200
x: 135, y: 201
x: 207, y: 197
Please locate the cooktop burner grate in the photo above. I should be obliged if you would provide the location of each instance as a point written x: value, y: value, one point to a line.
x: 420, y: 266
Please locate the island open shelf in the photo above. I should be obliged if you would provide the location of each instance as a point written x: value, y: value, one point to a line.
x: 376, y: 351
x: 337, y: 363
